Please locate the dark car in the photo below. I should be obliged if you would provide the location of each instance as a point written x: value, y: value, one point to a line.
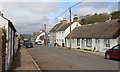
x: 113, y: 53
x: 29, y: 45
x: 25, y: 42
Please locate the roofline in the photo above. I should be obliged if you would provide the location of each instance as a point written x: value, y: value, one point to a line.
x: 9, y: 22
x: 90, y: 38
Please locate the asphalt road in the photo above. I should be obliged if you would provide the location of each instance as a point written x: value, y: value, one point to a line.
x: 51, y: 58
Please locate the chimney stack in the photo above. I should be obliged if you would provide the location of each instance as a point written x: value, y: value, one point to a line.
x: 64, y: 21
x: 75, y: 19
x: 1, y: 14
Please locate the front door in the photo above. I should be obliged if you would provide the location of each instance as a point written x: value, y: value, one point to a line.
x: 83, y: 44
x: 97, y: 45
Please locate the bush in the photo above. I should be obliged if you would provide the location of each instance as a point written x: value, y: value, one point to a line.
x: 88, y: 49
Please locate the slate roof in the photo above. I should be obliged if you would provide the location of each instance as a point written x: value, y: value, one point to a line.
x: 101, y: 30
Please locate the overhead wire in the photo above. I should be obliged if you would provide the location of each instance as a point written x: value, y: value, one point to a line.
x: 66, y: 10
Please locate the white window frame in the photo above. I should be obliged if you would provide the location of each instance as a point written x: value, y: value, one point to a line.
x: 89, y: 42
x: 78, y: 41
x: 107, y: 43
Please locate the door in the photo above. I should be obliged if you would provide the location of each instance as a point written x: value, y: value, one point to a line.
x: 83, y: 44
x: 97, y: 45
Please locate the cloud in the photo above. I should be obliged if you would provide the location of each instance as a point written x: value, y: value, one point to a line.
x: 29, y: 14
x: 59, y: 0
x: 30, y: 17
x: 95, y: 7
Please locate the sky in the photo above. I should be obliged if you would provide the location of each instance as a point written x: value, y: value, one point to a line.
x: 29, y: 16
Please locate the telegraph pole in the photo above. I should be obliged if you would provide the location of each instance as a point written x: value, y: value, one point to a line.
x: 70, y: 26
x: 45, y: 34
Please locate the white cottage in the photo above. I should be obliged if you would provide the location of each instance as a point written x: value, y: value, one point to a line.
x: 11, y: 43
x: 98, y: 36
x: 63, y: 29
x: 40, y: 38
x: 52, y: 33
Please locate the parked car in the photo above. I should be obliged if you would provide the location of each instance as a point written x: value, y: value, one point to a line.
x: 29, y: 45
x: 113, y: 53
x: 25, y: 42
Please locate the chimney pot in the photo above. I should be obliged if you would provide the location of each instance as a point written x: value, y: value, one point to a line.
x: 1, y: 14
x: 64, y: 21
x: 75, y: 19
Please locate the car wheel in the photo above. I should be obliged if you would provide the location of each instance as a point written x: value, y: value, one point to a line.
x: 107, y: 56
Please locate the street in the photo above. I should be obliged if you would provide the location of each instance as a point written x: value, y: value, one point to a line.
x: 53, y: 58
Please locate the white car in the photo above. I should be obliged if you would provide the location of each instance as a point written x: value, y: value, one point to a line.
x: 39, y: 43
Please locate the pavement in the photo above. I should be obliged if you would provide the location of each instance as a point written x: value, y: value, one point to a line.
x: 84, y: 51
x: 91, y: 52
x: 24, y: 62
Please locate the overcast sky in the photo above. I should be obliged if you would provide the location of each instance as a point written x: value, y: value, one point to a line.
x: 30, y: 16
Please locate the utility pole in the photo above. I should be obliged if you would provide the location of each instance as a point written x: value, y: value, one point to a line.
x: 70, y: 26
x: 45, y: 34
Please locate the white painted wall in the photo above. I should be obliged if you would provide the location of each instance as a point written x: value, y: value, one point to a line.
x: 37, y: 39
x: 51, y: 38
x: 99, y: 46
x: 3, y: 22
x: 67, y: 42
x: 118, y: 39
x: 73, y: 43
x: 60, y: 35
x: 10, y: 42
x: 73, y: 25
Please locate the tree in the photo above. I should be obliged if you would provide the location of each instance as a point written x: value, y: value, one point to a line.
x: 21, y: 36
x: 90, y: 19
x: 115, y: 15
x: 29, y: 38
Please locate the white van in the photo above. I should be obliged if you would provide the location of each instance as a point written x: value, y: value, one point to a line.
x: 39, y: 43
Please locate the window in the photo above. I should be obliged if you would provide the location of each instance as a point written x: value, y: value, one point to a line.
x: 62, y: 40
x: 68, y: 40
x: 77, y: 25
x: 62, y: 33
x: 107, y: 42
x: 78, y: 41
x: 116, y: 47
x: 88, y: 42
